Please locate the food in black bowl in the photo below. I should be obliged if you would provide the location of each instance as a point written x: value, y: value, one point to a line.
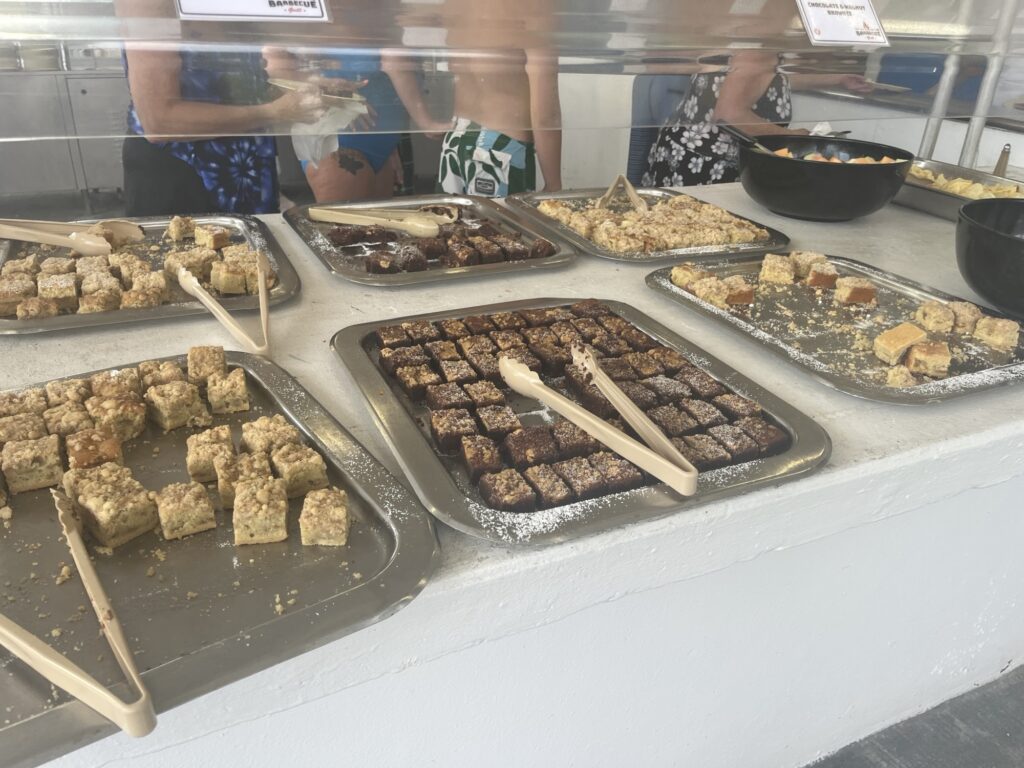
x: 990, y: 251
x: 861, y: 177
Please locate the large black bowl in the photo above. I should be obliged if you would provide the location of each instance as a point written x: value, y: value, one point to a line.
x: 990, y: 251
x: 819, y: 191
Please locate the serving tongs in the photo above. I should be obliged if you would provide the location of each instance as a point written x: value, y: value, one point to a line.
x: 416, y: 223
x: 135, y: 718
x: 660, y: 459
x: 634, y: 197
x: 330, y: 100
x: 123, y: 230
x: 193, y: 287
x: 78, y: 241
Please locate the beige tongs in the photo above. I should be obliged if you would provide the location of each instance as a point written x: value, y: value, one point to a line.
x: 136, y: 718
x: 415, y: 223
x: 70, y: 234
x: 634, y: 197
x: 661, y: 459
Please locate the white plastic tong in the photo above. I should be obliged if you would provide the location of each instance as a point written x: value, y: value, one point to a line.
x: 661, y: 459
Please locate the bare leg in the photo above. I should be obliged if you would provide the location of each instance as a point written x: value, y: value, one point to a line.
x: 346, y: 175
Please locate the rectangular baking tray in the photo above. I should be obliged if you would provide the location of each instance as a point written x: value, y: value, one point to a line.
x: 527, y: 203
x: 834, y: 355
x: 247, y: 229
x: 349, y: 265
x: 445, y: 490
x: 922, y: 197
x: 206, y: 616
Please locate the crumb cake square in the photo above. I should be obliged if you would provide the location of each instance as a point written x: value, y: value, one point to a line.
x: 585, y: 481
x: 551, y: 490
x: 184, y: 509
x: 530, y: 445
x: 22, y: 426
x: 154, y: 372
x: 619, y: 475
x: 62, y: 289
x: 67, y: 391
x: 804, y: 260
x: 260, y: 513
x: 508, y: 491
x: 777, y: 269
x: 228, y: 393
x: 115, y: 507
x: 152, y: 282
x: 997, y: 332
x: 123, y: 417
x: 140, y: 299
x: 31, y: 464
x: 935, y: 316
x: 93, y: 282
x: 231, y: 469
x: 738, y: 290
x: 36, y: 308
x: 930, y: 358
x: 198, y: 261
x: 890, y: 346
x: 101, y: 301
x: 14, y: 289
x: 28, y: 265
x: 122, y: 382
x: 57, y: 265
x: 324, y: 520
x: 66, y: 419
x: 822, y: 275
x: 711, y: 290
x: 179, y: 228
x: 212, y: 237
x: 900, y: 376
x: 480, y: 455
x: 267, y: 433
x: 301, y: 468
x: 177, y: 404
x: 449, y: 427
x: 91, y: 448
x: 23, y: 401
x: 685, y: 275
x: 228, y: 278
x: 89, y: 265
x: 203, y: 448
x: 965, y: 316
x: 855, y: 290
x: 202, y: 361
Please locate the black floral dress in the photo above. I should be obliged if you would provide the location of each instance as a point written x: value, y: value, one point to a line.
x: 691, y: 150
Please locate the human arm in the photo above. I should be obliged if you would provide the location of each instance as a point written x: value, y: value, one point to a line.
x: 750, y: 74
x: 546, y: 115
x: 852, y: 83
x: 402, y: 74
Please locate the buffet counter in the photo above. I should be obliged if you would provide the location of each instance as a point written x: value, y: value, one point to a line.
x: 764, y: 630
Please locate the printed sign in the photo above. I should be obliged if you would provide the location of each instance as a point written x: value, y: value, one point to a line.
x: 841, y: 22
x: 253, y: 10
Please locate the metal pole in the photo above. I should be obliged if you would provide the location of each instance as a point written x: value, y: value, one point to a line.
x: 969, y: 152
x: 944, y: 91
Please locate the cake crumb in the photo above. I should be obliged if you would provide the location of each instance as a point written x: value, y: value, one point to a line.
x: 56, y: 632
x: 191, y: 595
x: 151, y: 571
x: 278, y: 607
x: 159, y: 554
x: 105, y: 551
x: 64, y: 575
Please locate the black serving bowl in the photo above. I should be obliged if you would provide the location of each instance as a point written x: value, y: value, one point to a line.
x: 990, y: 251
x: 821, y: 191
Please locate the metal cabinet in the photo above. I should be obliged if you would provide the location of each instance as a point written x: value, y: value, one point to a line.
x: 99, y: 108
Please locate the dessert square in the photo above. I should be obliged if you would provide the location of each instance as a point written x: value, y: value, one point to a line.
x: 460, y: 255
x: 100, y: 281
x: 930, y: 358
x: 489, y: 252
x: 539, y: 335
x: 704, y: 385
x: 198, y: 261
x: 152, y: 282
x: 28, y: 265
x: 855, y: 290
x: 556, y: 314
x: 67, y: 391
x: 667, y: 390
x: 613, y: 346
x: 641, y: 396
x: 478, y: 326
x: 228, y: 278
x: 442, y: 350
x: 228, y: 393
x: 530, y: 445
x: 34, y: 308
x: 31, y: 464
x: 130, y: 267
x: 179, y: 228
x: 301, y: 468
x: 202, y: 361
x: 184, y: 509
x: 777, y: 269
x: 204, y: 447
x: 735, y: 441
x: 76, y: 481
x: 508, y: 339
x: 22, y: 426
x: 231, y: 469
x: 89, y: 265
x: 542, y: 249
x: 62, y: 289
x: 449, y: 427
x: 393, y: 358
x: 619, y: 475
x: 711, y: 290
x: 935, y: 316
x: 392, y: 336
x: 473, y: 345
x: 672, y: 421
x: 122, y: 417
x: 613, y: 324
x: 153, y: 372
x: 176, y: 405
x: 457, y: 371
x: 485, y: 364
x: 566, y: 333
x: 587, y: 327
x: 66, y: 419
x: 140, y: 299
x: 498, y: 421
x: 121, y: 382
x: 484, y: 393
x: 381, y: 263
x: 900, y: 376
x: 324, y: 518
x: 207, y: 236
x: 637, y: 339
x: 551, y: 490
x: 552, y: 359
x: 416, y: 378
x: 705, y: 414
x: 421, y: 331
x: 243, y: 257
x: 890, y: 346
x: 101, y: 301
x: 23, y: 401
x: 442, y: 396
x: 585, y: 481
x: 769, y: 438
x: 804, y: 260
x: 738, y: 290
x: 91, y: 448
x: 736, y: 406
x: 507, y: 490
x: 671, y: 360
x: 589, y: 308
x: 618, y: 369
x: 823, y: 275
x: 267, y: 433
x: 432, y: 247
x: 573, y: 441
x: 590, y: 397
x: 115, y: 507
x: 507, y: 321
x: 703, y: 451
x: 644, y: 364
x: 685, y: 275
x: 997, y: 332
x: 14, y: 289
x: 260, y: 515
x: 965, y: 316
x: 480, y: 455
x: 453, y: 329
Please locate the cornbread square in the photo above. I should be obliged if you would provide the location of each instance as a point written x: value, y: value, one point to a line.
x: 685, y: 275
x: 14, y: 289
x: 123, y: 417
x: 115, y: 507
x: 739, y: 291
x: 100, y: 281
x: 301, y: 468
x: 855, y: 290
x: 57, y: 265
x: 198, y: 261
x: 87, y: 265
x: 228, y: 278
x: 29, y: 265
x: 802, y: 261
x: 202, y: 450
x: 997, y: 332
x: 900, y: 376
x: 121, y: 382
x: 23, y: 401
x: 777, y: 269
x: 211, y: 237
x: 965, y: 316
x: 324, y: 518
x: 712, y: 290
x: 66, y: 419
x: 152, y: 282
x: 267, y: 433
x: 261, y: 512
x: 935, y: 316
x: 890, y: 345
x: 140, y: 299
x: 154, y: 372
x: 63, y: 289
x: 822, y: 275
x: 67, y: 391
x: 92, y: 447
x: 176, y: 405
x: 31, y: 464
x: 227, y: 393
x: 101, y: 301
x: 202, y: 361
x: 22, y: 426
x: 233, y: 469
x: 184, y: 509
x: 932, y: 358
x: 179, y: 228
x: 34, y: 308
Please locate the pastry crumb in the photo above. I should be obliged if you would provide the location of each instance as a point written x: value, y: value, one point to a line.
x: 57, y: 632
x: 191, y: 595
x: 151, y: 571
x: 64, y: 575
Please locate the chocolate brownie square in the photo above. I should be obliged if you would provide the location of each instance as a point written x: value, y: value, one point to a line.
x: 619, y: 475
x: 489, y: 252
x: 567, y: 333
x: 589, y: 308
x: 480, y: 455
x: 515, y: 250
x: 507, y: 321
x: 498, y: 421
x: 552, y: 358
x: 410, y: 258
x: 551, y: 490
x: 585, y: 481
x: 507, y: 490
x: 637, y: 339
x: 588, y: 328
x: 667, y: 390
x: 524, y: 356
x: 736, y: 406
x: 393, y: 358
x: 443, y: 350
x: 705, y: 413
x: 485, y: 364
x: 392, y: 336
x: 703, y: 452
x: 415, y: 379
x: 343, y: 235
x: 477, y: 325
x: 421, y: 331
x: 639, y: 394
x: 381, y: 263
x: 534, y: 317
x: 472, y: 345
x: 595, y: 402
x: 530, y: 445
x: 576, y: 378
x: 484, y: 393
x: 558, y: 314
x: 540, y: 335
x: 453, y: 329
x: 644, y: 365
x: 507, y: 339
x: 769, y: 438
x: 613, y: 346
x: 735, y: 441
x: 442, y: 396
x: 671, y: 360
x: 613, y: 323
x: 672, y: 421
x: 432, y: 247
x: 573, y: 441
x: 542, y: 249
x: 702, y: 384
x: 458, y: 371
x: 449, y: 427
x: 618, y: 369
x: 459, y: 255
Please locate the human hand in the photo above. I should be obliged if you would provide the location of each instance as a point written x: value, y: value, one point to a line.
x: 855, y: 84
x: 296, y: 107
x: 336, y: 86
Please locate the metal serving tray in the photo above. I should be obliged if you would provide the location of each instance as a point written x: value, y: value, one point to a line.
x: 199, y: 612
x: 245, y: 229
x: 837, y: 348
x: 444, y: 487
x: 528, y: 202
x: 347, y: 261
x: 923, y: 197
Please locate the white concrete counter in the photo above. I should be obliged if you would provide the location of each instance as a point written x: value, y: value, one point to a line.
x: 761, y: 631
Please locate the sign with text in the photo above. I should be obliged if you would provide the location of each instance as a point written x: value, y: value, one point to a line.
x: 841, y: 22
x: 253, y: 10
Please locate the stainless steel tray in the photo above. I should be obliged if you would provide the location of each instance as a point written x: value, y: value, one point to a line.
x: 246, y: 229
x: 923, y: 197
x: 347, y: 261
x: 445, y: 489
x: 205, y: 615
x: 837, y: 349
x: 528, y: 202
